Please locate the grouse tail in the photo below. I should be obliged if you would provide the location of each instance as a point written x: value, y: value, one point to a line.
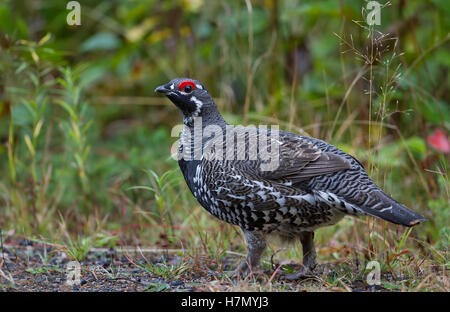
x: 385, y: 207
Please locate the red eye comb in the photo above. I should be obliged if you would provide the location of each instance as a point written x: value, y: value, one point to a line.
x: 185, y: 83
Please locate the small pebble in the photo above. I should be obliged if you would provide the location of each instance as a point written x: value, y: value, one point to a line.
x: 177, y: 283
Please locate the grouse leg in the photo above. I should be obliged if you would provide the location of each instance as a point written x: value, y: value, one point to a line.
x: 256, y: 246
x: 309, y: 251
x: 309, y: 256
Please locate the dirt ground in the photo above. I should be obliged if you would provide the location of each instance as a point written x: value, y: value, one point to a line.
x: 30, y: 266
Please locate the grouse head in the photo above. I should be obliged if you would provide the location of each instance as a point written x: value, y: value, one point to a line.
x: 189, y: 95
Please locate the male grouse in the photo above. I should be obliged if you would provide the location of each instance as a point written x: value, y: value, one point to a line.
x: 270, y: 181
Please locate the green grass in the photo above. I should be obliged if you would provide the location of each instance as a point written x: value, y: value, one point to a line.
x: 41, y: 270
x: 164, y: 270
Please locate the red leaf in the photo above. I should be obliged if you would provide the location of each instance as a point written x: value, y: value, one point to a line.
x: 439, y: 141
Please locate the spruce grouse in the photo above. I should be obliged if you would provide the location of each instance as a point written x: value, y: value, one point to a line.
x: 269, y: 181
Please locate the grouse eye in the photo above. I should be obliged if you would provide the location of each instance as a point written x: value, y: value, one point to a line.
x: 186, y: 86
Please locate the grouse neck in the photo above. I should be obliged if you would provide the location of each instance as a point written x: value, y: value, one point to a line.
x: 208, y: 115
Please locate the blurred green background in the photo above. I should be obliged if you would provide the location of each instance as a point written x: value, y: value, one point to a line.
x: 85, y: 143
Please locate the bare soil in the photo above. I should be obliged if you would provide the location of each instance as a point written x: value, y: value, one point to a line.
x: 29, y: 266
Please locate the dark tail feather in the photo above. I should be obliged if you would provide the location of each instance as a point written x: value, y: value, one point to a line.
x: 384, y: 207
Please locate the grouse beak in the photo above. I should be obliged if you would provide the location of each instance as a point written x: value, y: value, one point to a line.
x: 162, y: 89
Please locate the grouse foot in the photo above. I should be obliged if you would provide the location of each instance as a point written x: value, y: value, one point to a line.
x: 304, y: 272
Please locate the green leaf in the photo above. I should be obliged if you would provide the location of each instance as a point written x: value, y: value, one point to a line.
x: 68, y: 109
x: 416, y: 145
x: 21, y: 115
x: 101, y: 41
x: 11, y: 23
x: 148, y: 188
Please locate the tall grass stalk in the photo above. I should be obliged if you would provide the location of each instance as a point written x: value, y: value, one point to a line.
x: 76, y: 127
